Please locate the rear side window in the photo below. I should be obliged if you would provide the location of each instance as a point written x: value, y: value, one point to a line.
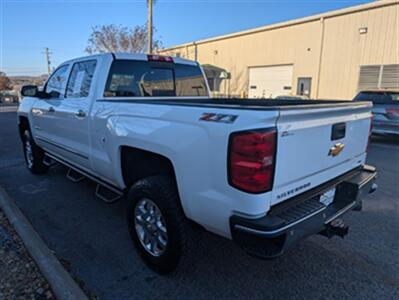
x: 128, y: 78
x: 80, y: 79
x: 378, y: 97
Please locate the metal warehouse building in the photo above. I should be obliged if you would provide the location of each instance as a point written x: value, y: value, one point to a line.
x: 326, y: 56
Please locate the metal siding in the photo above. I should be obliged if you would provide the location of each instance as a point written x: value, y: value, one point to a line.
x: 344, y: 50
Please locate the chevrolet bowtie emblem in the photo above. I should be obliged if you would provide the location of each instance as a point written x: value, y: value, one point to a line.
x: 336, y: 149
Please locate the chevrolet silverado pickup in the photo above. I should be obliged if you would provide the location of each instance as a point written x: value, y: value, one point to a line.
x: 264, y: 173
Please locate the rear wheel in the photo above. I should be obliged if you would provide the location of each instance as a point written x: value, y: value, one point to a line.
x: 150, y: 227
x: 160, y: 232
x: 34, y: 155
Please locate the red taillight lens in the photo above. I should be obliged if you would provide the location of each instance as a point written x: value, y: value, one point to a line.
x: 252, y: 159
x: 159, y: 58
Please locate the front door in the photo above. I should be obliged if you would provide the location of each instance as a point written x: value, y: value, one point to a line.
x: 43, y: 110
x: 304, y: 86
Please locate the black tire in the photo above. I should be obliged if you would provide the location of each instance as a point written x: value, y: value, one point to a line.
x: 35, y: 162
x: 162, y: 191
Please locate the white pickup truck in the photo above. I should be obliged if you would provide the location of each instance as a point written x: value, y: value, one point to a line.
x: 265, y: 173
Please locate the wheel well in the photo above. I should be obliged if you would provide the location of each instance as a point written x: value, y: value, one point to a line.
x: 23, y: 125
x: 137, y: 164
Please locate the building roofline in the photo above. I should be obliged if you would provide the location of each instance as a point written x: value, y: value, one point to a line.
x: 330, y: 14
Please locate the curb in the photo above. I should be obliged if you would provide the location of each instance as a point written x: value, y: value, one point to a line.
x: 61, y: 282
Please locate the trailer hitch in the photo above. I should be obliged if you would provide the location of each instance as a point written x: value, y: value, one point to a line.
x: 335, y: 227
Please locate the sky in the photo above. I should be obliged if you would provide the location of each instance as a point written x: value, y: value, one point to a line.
x: 64, y: 26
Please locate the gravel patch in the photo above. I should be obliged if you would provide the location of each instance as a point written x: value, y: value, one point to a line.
x: 20, y: 278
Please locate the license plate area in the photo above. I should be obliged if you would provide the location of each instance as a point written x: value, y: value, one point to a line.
x: 327, y: 197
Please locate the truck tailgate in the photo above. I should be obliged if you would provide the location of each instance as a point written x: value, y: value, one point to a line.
x: 315, y: 145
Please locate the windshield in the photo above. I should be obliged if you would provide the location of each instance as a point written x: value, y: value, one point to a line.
x: 378, y: 97
x: 129, y: 78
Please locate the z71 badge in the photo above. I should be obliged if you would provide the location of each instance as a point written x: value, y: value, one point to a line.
x: 220, y: 118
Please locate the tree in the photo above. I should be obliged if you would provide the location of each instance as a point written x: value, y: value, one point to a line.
x: 114, y: 38
x: 5, y: 82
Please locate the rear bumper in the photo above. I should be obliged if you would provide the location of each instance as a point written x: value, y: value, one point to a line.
x: 301, y: 216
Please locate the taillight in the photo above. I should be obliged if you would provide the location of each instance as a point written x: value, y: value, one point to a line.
x: 159, y: 58
x: 252, y: 160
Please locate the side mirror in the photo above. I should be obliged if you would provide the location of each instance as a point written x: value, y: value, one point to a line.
x: 29, y: 91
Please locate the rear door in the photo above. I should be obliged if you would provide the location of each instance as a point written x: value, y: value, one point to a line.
x: 318, y: 144
x: 72, y: 115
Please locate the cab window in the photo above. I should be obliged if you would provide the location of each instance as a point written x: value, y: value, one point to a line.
x: 80, y: 79
x: 129, y: 78
x: 56, y: 83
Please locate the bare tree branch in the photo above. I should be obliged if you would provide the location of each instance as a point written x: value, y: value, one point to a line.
x: 114, y: 38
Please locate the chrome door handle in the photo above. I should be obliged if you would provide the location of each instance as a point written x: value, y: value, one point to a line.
x: 80, y: 114
x: 51, y: 109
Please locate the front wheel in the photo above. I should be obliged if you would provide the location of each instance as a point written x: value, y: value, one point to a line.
x: 160, y: 232
x: 34, y: 155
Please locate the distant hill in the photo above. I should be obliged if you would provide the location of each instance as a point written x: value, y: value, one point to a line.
x: 19, y: 81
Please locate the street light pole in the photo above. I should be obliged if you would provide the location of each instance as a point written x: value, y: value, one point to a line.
x: 149, y: 26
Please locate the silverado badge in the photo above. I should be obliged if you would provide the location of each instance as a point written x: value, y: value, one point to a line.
x: 336, y: 149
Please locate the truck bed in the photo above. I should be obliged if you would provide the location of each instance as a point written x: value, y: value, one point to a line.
x: 243, y: 103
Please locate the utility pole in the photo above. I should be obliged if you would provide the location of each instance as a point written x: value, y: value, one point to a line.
x: 149, y: 26
x: 47, y: 53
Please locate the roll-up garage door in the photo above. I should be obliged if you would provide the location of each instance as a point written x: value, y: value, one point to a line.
x: 270, y: 82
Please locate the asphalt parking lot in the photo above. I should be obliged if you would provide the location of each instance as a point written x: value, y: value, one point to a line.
x: 91, y: 238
